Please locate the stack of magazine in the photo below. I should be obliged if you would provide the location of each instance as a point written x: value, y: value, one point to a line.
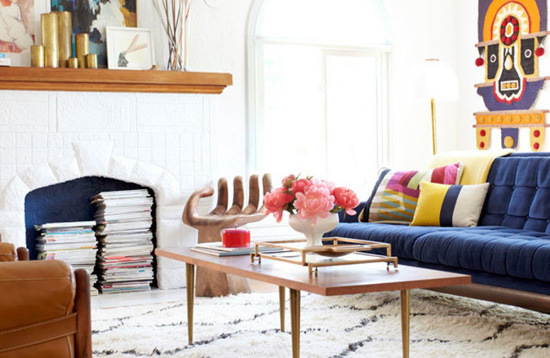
x: 72, y: 242
x: 125, y: 240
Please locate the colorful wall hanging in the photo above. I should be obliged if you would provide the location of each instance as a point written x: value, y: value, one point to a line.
x: 511, y: 33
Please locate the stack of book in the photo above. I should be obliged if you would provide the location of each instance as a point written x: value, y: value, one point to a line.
x: 72, y: 242
x: 125, y: 241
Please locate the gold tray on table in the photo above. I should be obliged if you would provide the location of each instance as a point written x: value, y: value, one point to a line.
x: 343, y: 251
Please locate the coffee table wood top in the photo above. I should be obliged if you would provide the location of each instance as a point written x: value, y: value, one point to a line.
x: 330, y: 281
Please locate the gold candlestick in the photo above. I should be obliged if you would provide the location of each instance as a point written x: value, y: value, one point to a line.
x: 73, y: 62
x: 65, y: 33
x: 82, y: 49
x: 37, y: 56
x: 50, y: 39
x: 91, y: 60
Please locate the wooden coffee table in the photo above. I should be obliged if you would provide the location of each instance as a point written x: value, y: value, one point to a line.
x: 330, y: 281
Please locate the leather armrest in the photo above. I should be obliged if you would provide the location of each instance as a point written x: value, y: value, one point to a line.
x: 83, y: 340
x: 7, y: 252
x: 22, y: 254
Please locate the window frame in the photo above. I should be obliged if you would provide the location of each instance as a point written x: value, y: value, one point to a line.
x: 254, y: 67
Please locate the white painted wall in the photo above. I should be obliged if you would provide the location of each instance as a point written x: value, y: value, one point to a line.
x: 420, y: 29
x: 217, y: 43
x: 469, y: 74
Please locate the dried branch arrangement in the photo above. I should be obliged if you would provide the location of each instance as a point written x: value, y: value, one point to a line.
x: 174, y: 15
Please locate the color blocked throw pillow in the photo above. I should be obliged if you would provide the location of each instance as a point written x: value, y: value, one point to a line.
x: 395, y: 195
x: 449, y: 205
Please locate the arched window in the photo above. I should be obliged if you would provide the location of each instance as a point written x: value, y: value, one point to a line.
x: 318, y: 88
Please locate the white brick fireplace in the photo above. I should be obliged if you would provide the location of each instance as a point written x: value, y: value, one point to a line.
x: 162, y: 141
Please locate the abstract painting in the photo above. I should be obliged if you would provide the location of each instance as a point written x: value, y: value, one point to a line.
x: 510, y: 34
x: 93, y: 16
x: 17, y: 30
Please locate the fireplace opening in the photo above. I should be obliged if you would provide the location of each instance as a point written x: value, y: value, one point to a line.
x: 70, y: 201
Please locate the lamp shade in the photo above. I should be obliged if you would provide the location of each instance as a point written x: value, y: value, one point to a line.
x: 434, y: 79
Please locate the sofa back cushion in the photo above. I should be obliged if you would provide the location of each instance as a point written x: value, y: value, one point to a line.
x: 519, y: 192
x: 40, y: 294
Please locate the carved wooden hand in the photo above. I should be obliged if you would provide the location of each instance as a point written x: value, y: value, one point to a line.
x: 211, y: 283
x: 210, y: 225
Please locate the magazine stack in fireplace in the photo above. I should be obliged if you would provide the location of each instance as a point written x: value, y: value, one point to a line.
x: 125, y: 240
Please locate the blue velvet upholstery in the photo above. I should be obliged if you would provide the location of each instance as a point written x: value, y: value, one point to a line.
x: 510, y: 247
x: 519, y: 195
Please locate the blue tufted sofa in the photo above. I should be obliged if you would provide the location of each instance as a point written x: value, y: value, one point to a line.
x: 507, y: 254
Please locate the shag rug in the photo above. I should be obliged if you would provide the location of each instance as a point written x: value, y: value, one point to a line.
x: 247, y: 325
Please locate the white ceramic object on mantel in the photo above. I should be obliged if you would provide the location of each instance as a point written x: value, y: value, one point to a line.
x: 313, y: 231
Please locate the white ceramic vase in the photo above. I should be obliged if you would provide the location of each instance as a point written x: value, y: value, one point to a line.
x: 313, y: 232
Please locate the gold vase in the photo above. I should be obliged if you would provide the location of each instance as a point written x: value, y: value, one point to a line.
x: 91, y: 60
x: 82, y: 49
x: 37, y: 56
x: 65, y: 33
x: 73, y: 62
x: 50, y: 39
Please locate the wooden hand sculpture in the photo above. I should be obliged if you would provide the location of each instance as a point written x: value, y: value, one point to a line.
x: 210, y: 225
x: 212, y: 283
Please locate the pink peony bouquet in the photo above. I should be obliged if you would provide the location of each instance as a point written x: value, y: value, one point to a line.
x: 309, y: 198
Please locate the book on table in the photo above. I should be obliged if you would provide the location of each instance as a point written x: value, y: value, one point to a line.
x: 217, y: 249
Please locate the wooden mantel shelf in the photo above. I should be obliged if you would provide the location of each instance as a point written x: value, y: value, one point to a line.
x: 103, y: 80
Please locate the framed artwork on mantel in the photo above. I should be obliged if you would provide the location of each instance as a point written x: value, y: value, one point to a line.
x: 93, y: 16
x: 20, y: 28
x: 130, y: 48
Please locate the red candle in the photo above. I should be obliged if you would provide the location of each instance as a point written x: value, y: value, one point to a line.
x: 235, y: 238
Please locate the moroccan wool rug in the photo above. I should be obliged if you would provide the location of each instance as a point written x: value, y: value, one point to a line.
x: 247, y: 325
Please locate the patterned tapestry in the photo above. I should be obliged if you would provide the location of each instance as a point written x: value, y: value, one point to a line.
x: 511, y: 33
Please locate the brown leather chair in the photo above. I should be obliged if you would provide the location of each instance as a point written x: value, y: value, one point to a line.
x: 44, y: 307
x: 8, y: 252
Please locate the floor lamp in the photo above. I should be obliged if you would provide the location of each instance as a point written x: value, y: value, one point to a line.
x: 433, y: 80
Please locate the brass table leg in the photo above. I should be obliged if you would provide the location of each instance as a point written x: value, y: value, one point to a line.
x: 295, y: 322
x: 282, y: 307
x: 405, y: 321
x: 190, y: 276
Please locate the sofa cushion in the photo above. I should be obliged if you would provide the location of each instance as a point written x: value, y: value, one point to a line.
x: 395, y: 195
x: 493, y: 249
x: 519, y: 194
x: 449, y: 205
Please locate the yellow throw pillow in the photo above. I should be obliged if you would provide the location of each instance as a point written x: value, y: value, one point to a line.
x: 449, y: 205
